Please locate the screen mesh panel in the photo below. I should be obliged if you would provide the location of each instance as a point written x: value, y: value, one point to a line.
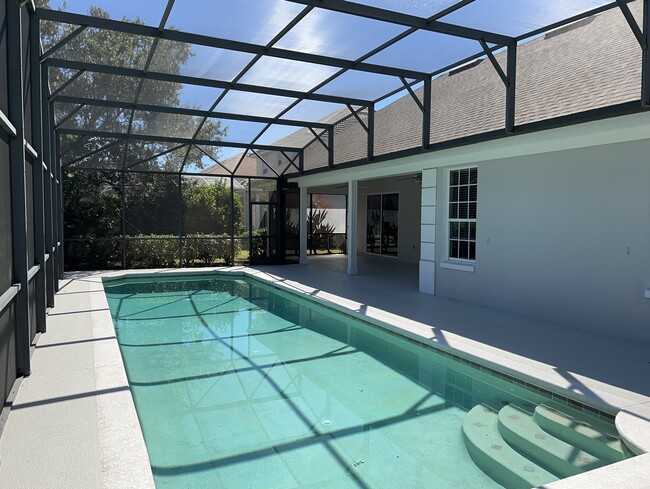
x: 287, y: 74
x: 254, y: 21
x: 78, y: 48
x: 152, y: 204
x: 256, y: 104
x: 471, y: 101
x: 198, y: 61
x: 101, y: 86
x: 411, y: 7
x: 426, y: 51
x: 577, y: 52
x: 93, y: 204
x: 110, y: 158
x: 6, y: 266
x: 339, y: 35
x: 361, y: 85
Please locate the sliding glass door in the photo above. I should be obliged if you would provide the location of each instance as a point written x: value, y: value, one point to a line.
x: 382, y: 224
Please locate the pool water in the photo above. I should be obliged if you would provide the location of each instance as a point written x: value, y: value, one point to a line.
x: 239, y: 385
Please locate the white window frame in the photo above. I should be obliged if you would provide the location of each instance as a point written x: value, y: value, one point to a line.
x: 462, y: 264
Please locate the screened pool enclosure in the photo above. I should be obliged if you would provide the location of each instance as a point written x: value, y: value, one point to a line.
x: 167, y: 133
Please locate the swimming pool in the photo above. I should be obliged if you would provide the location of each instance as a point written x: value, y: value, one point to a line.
x: 239, y: 384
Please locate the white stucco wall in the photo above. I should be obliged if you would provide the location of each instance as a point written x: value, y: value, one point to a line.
x: 409, y: 214
x: 562, y: 236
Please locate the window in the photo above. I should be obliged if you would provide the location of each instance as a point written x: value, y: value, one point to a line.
x: 382, y: 224
x: 462, y: 213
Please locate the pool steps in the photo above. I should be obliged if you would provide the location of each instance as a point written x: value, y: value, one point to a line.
x: 495, y: 457
x: 519, y: 430
x: 519, y: 449
x: 593, y: 440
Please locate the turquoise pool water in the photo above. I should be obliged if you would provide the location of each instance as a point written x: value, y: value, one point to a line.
x: 239, y: 385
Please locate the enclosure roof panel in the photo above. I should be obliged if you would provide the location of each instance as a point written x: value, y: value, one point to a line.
x: 254, y: 21
x: 339, y: 35
x: 253, y: 72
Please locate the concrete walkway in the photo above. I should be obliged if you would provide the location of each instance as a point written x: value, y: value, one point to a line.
x: 73, y: 424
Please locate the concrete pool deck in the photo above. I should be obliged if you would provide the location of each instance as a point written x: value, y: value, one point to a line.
x: 73, y: 423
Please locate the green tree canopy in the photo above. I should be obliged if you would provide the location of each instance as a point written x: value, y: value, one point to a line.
x: 207, y: 209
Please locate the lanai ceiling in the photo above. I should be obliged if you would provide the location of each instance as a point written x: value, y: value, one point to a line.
x: 265, y: 69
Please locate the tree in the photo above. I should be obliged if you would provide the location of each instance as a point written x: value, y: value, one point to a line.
x: 207, y: 209
x: 113, y: 48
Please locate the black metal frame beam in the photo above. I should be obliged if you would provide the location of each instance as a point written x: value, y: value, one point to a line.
x: 645, y: 66
x: 257, y: 155
x: 256, y: 49
x: 511, y: 87
x: 49, y: 183
x: 413, y: 95
x: 192, y: 80
x: 359, y: 120
x: 292, y: 162
x: 330, y: 148
x: 318, y: 138
x: 186, y: 111
x: 426, y: 114
x: 63, y: 41
x: 69, y: 115
x: 18, y: 194
x: 92, y: 153
x: 642, y: 34
x: 495, y: 63
x: 509, y: 80
x: 66, y: 83
x: 208, y: 155
x: 371, y: 133
x: 38, y: 171
x: 153, y: 157
x: 393, y: 17
x: 170, y: 139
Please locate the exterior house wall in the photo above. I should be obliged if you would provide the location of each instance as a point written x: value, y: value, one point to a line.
x: 409, y: 214
x: 562, y: 236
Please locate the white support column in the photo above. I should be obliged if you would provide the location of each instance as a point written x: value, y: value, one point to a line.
x: 428, y: 233
x: 353, y: 199
x: 304, y: 204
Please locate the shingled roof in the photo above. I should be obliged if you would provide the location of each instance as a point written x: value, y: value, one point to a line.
x: 590, y: 64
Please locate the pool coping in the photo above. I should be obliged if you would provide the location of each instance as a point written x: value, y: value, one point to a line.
x: 631, y: 410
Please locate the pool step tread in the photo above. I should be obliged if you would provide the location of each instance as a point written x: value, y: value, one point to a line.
x: 495, y: 457
x: 521, y: 431
x: 580, y: 434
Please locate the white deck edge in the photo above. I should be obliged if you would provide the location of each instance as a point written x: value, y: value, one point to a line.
x: 632, y: 418
x: 124, y: 458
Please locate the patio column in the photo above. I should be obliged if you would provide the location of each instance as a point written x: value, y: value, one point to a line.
x: 304, y: 198
x: 428, y: 233
x: 353, y: 198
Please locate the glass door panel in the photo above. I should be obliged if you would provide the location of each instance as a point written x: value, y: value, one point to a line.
x: 389, y: 224
x: 373, y: 224
x: 382, y: 229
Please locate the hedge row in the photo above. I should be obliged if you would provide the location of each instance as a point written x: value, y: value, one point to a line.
x: 151, y: 251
